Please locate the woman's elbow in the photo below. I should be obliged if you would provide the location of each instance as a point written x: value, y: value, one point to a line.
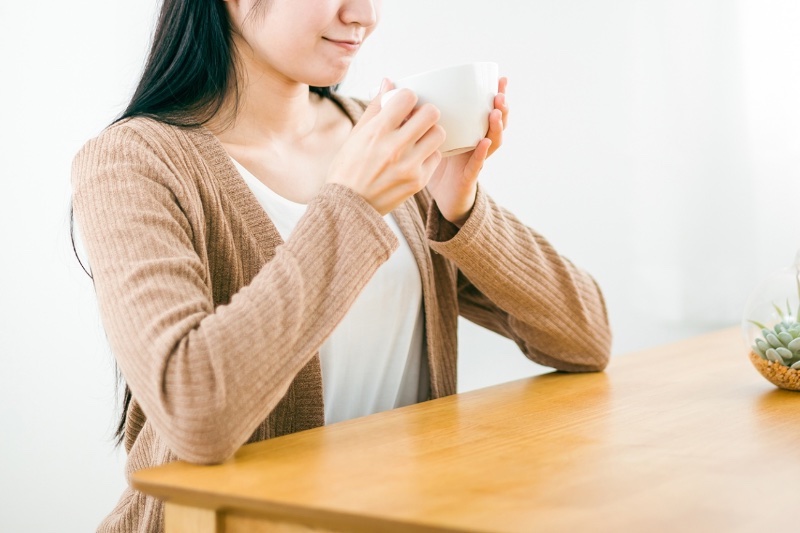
x: 206, y: 455
x: 593, y: 346
x: 595, y: 353
x: 201, y: 438
x: 575, y: 354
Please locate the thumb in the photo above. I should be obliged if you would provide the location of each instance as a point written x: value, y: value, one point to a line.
x: 374, y: 106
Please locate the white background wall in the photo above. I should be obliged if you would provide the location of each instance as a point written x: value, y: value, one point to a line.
x: 657, y: 144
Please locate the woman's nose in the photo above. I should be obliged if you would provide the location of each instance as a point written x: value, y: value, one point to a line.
x: 360, y: 12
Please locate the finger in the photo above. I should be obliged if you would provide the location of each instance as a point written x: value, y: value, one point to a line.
x: 500, y: 105
x: 430, y: 164
x: 374, y: 106
x: 430, y: 142
x: 395, y: 112
x: 501, y: 101
x: 495, y: 133
x: 419, y: 123
x: 473, y: 167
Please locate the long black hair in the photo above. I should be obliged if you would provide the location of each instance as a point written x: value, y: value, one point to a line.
x: 189, y: 73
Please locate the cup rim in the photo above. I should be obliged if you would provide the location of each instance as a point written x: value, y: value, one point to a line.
x: 443, y: 69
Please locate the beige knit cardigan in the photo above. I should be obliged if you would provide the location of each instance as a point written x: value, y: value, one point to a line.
x: 216, y: 323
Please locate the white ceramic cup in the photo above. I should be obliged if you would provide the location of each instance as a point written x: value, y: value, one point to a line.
x: 464, y: 94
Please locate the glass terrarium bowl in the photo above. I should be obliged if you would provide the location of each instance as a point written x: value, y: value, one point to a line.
x: 771, y: 327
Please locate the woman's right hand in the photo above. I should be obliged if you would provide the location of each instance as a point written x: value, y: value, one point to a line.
x: 392, y: 152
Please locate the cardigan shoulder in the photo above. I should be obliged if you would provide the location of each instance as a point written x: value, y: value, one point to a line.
x: 148, y: 128
x: 142, y: 131
x: 124, y: 140
x: 148, y: 149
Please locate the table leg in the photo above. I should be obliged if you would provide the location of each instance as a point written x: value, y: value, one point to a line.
x: 184, y: 519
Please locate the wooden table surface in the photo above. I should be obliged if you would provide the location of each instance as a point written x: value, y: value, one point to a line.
x: 683, y: 437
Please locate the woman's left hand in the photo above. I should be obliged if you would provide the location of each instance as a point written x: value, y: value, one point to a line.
x: 454, y: 184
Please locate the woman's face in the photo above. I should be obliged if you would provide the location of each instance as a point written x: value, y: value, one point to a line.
x: 305, y: 41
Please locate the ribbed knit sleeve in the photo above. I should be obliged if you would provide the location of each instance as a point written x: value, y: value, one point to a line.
x: 207, y: 376
x: 513, y: 282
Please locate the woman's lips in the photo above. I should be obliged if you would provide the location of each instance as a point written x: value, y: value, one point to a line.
x: 346, y: 44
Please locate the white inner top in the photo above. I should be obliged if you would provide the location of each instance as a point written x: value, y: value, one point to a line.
x: 372, y: 360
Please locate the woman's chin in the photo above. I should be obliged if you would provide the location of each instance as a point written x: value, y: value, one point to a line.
x: 333, y: 76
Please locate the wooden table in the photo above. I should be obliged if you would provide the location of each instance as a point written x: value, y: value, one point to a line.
x: 684, y: 437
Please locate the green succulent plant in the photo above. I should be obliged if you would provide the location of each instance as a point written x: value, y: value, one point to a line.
x: 781, y: 343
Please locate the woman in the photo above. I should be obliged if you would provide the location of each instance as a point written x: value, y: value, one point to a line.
x: 269, y: 256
